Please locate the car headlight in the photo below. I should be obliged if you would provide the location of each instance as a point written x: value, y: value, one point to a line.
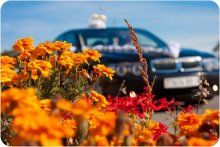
x: 210, y: 64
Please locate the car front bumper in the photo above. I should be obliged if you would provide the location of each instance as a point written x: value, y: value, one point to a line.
x: 186, y: 94
x: 179, y: 94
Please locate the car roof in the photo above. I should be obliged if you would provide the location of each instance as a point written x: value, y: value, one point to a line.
x: 108, y: 28
x: 112, y: 29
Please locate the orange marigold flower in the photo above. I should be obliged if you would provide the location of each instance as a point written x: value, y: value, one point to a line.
x: 7, y: 61
x: 66, y: 60
x: 17, y: 80
x: 41, y: 65
x: 93, y: 55
x: 153, y: 125
x: 145, y: 138
x: 79, y: 59
x: 34, y: 74
x: 53, y: 60
x: 101, y: 123
x: 70, y: 59
x: 45, y: 105
x: 39, y: 127
x: 101, y: 141
x: 45, y: 48
x: 96, y: 140
x: 64, y: 105
x: 195, y: 141
x: 23, y: 44
x: 188, y: 123
x: 7, y: 75
x: 106, y: 71
x: 13, y: 97
x: 62, y: 45
x: 70, y: 123
x: 80, y: 107
x: 211, y: 115
x: 98, y: 99
x: 25, y: 55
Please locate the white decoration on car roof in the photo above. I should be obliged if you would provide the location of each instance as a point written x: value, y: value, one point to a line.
x: 97, y: 21
x: 126, y: 49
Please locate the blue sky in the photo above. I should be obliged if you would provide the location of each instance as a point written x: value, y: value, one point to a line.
x: 192, y: 24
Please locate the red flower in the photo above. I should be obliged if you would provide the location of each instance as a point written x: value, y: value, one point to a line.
x: 67, y: 116
x: 139, y: 104
x: 164, y: 104
x: 159, y: 131
x: 188, y: 109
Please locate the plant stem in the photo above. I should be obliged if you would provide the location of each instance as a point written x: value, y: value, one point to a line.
x: 143, y: 61
x: 199, y: 102
x: 29, y: 79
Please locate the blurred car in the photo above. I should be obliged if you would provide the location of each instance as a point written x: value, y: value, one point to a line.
x: 177, y: 70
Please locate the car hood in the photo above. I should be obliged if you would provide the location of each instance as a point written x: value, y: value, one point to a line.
x: 185, y: 52
x: 128, y: 53
x: 131, y: 56
x: 149, y: 53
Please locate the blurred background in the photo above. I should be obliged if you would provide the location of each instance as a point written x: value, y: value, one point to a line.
x: 191, y: 24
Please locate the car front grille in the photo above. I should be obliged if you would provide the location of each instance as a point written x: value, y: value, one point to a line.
x: 166, y: 64
x: 169, y: 65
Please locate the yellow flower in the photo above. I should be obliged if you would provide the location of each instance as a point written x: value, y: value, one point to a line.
x: 41, y: 65
x: 92, y: 54
x: 211, y: 115
x: 188, y: 123
x: 195, y: 141
x: 62, y: 46
x: 7, y: 61
x: 15, y: 97
x: 106, y: 71
x: 7, y: 75
x: 23, y: 44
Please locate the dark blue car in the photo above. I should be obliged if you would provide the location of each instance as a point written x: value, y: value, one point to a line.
x: 177, y: 71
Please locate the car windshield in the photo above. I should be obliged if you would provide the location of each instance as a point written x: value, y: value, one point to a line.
x: 117, y: 37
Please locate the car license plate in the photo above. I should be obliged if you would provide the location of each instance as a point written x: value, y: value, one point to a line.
x: 181, y: 82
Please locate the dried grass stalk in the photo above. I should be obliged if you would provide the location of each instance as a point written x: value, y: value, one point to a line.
x: 144, y: 70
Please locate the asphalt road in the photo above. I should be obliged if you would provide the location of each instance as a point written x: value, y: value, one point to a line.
x: 165, y: 118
